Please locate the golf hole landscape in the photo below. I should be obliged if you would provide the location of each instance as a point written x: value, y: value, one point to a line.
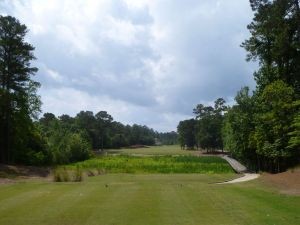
x: 157, y: 185
x: 149, y: 112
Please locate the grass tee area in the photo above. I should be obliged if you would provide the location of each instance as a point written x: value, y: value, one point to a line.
x: 149, y: 190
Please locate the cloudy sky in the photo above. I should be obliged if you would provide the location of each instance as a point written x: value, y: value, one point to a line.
x: 144, y: 61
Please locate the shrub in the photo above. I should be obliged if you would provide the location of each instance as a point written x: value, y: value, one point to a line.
x: 62, y: 174
x: 78, y: 175
x: 79, y: 148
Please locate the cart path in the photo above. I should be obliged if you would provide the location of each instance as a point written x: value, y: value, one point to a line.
x: 239, y: 168
x: 246, y: 177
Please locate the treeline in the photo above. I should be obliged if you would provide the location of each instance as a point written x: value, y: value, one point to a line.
x: 167, y: 138
x: 51, y: 140
x: 204, y: 131
x: 67, y: 139
x: 263, y: 128
x: 100, y: 129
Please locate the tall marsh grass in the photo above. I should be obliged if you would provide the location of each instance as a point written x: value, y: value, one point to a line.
x: 62, y: 174
x: 155, y: 164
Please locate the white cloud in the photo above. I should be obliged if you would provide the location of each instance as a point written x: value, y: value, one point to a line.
x: 144, y: 61
x: 54, y: 75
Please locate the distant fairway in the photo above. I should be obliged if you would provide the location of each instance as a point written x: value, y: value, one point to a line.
x: 154, y: 150
x: 142, y: 197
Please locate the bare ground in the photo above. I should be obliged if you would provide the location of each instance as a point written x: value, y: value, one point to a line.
x: 287, y: 182
x: 9, y: 173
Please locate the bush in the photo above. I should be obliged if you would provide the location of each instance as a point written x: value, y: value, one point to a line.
x: 79, y: 148
x: 78, y: 175
x: 61, y: 174
x: 66, y: 147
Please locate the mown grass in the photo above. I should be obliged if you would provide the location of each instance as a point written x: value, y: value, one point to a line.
x: 156, y: 164
x: 150, y: 199
x: 153, y: 150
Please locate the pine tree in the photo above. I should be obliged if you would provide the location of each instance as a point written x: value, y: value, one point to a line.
x: 17, y: 91
x: 275, y: 42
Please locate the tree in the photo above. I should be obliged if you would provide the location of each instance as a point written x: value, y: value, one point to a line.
x: 103, y: 121
x: 168, y: 138
x: 275, y: 42
x: 85, y: 120
x: 64, y: 142
x: 238, y: 128
x: 273, y: 124
x: 209, y: 125
x: 266, y: 128
x: 294, y: 135
x: 47, y: 119
x: 17, y: 91
x: 186, y: 132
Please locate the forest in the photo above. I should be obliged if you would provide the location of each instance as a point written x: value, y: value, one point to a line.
x: 262, y: 127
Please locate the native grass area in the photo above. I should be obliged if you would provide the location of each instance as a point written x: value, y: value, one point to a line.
x: 117, y: 197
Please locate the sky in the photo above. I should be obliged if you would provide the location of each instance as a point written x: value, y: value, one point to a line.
x: 148, y: 62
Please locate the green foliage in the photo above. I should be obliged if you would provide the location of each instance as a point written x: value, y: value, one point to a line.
x: 18, y: 99
x: 275, y: 42
x: 274, y: 118
x: 238, y: 127
x: 79, y: 148
x: 156, y: 164
x: 209, y: 125
x: 167, y: 138
x: 294, y: 140
x: 263, y: 130
x: 258, y: 128
x: 71, y: 139
x: 105, y: 133
x: 63, y: 141
x: 186, y: 133
x: 273, y: 124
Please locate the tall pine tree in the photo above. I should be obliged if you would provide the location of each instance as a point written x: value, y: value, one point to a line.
x: 275, y: 42
x: 18, y: 99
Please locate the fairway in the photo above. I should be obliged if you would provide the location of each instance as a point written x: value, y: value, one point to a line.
x: 124, y: 199
x: 153, y: 150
